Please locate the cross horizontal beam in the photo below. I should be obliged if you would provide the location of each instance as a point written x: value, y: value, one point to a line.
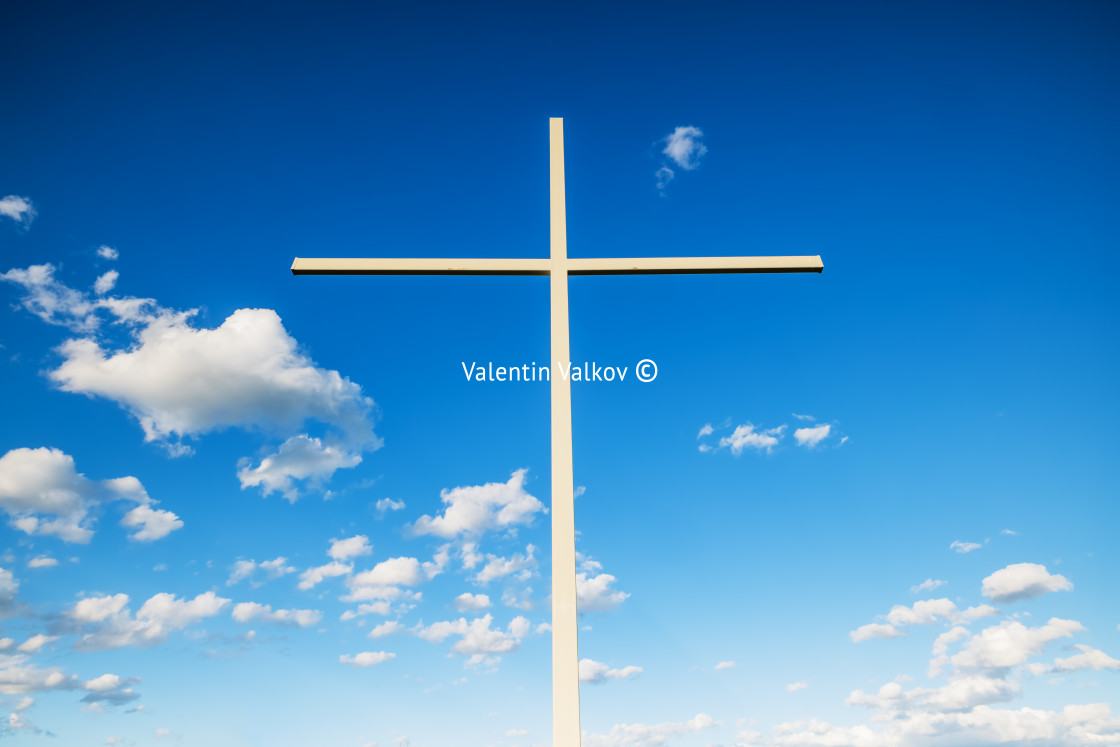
x: 596, y: 266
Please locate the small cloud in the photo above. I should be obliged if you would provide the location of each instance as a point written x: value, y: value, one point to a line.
x: 964, y: 547
x: 35, y: 643
x: 580, y: 490
x: 351, y: 547
x: 874, y: 630
x: 810, y: 437
x: 105, y: 282
x: 928, y: 585
x: 705, y: 431
x: 725, y: 665
x: 42, y: 561
x: 1008, y: 531
x: 19, y: 209
x: 468, y: 601
x: 388, y: 504
x: 745, y: 436
x: 684, y: 148
x: 366, y: 658
x: 802, y: 417
x: 107, y: 252
x: 1022, y: 581
x: 592, y: 671
x: 795, y: 686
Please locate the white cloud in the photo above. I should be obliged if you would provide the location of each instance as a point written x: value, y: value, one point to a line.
x: 351, y: 547
x: 313, y: 576
x: 1010, y: 643
x: 53, y: 301
x: 592, y: 671
x: 1022, y: 581
x: 647, y: 735
x: 366, y: 658
x: 874, y: 630
x: 386, y: 628
x: 725, y: 665
x: 595, y: 594
x: 179, y: 381
x: 924, y: 612
x: 388, y: 504
x: 179, y: 613
x: 803, y: 417
x: 928, y: 585
x: 113, y: 626
x: 964, y: 547
x: 684, y: 148
x: 153, y: 523
x: 19, y: 209
x: 474, y: 509
x: 1008, y: 531
x: 299, y: 458
x: 107, y: 252
x: 477, y: 637
x: 247, y: 372
x: 745, y: 436
x: 706, y: 430
x: 497, y: 567
x: 35, y: 643
x: 810, y: 437
x: 795, y: 686
x: 1089, y: 658
x: 468, y: 601
x: 273, y: 569
x: 17, y: 677
x: 97, y: 609
x: 44, y: 494
x: 105, y: 282
x: 401, y: 571
x: 42, y: 561
x: 249, y: 611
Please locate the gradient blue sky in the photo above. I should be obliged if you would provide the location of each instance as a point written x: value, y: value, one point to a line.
x: 896, y: 527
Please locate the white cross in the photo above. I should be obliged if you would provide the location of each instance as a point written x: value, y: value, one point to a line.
x: 565, y: 660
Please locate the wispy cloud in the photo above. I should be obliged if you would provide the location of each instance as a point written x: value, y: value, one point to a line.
x: 683, y: 150
x: 810, y: 437
x: 592, y: 671
x: 928, y: 585
x: 19, y: 209
x: 683, y: 147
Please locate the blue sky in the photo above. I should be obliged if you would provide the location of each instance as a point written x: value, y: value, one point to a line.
x: 871, y: 507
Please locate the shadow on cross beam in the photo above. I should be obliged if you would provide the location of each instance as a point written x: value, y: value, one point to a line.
x: 573, y: 266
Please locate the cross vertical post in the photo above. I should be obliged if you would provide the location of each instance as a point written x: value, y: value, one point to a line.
x: 565, y: 657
